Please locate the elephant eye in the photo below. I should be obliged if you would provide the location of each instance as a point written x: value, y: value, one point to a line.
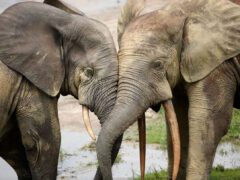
x: 87, y: 74
x: 158, y: 65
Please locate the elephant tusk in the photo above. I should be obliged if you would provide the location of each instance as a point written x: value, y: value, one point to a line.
x: 142, y: 143
x: 173, y: 126
x: 87, y: 123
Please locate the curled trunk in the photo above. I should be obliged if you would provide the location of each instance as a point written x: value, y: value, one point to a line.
x: 104, y: 102
x: 117, y: 123
x: 124, y: 114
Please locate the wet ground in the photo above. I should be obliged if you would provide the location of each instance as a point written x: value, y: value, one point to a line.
x: 77, y: 160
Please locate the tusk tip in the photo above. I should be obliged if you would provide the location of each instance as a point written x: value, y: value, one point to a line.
x: 93, y: 138
x: 87, y: 123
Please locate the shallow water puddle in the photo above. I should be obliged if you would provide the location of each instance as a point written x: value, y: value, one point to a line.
x: 228, y: 155
x: 80, y: 163
x: 77, y: 161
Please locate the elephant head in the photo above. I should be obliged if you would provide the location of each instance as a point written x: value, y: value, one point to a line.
x: 183, y: 42
x: 61, y: 53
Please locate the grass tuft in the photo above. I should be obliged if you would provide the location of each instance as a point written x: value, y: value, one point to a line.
x: 155, y: 131
x: 233, y: 134
x: 218, y: 173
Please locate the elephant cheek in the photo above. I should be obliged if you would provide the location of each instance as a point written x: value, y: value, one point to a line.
x: 161, y: 92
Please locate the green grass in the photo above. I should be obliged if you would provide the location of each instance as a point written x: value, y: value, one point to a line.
x: 234, y: 130
x: 89, y: 147
x: 155, y: 175
x: 62, y: 155
x: 155, y: 131
x: 92, y: 164
x: 225, y: 174
x: 218, y: 173
x: 118, y: 159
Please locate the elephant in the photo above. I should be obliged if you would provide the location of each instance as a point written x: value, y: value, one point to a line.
x: 45, y: 52
x: 188, y: 51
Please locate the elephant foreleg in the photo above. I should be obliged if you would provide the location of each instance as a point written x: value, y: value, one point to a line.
x: 210, y: 111
x: 12, y: 151
x: 40, y: 132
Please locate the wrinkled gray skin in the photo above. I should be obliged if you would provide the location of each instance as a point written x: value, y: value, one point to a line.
x: 190, y: 52
x: 46, y: 52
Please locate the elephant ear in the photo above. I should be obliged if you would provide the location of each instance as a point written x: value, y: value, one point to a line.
x: 211, y: 36
x: 30, y: 44
x: 130, y: 10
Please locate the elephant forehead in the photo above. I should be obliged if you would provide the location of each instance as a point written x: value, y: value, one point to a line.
x: 156, y: 20
x: 150, y: 48
x: 141, y: 37
x: 145, y: 35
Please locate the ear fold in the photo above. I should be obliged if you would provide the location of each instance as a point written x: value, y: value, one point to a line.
x: 64, y: 6
x: 30, y: 44
x: 211, y: 36
x: 130, y: 11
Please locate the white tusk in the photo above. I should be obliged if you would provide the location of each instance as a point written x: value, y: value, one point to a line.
x: 174, y: 130
x: 87, y: 123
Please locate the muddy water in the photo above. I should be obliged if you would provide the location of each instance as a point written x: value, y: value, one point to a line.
x: 228, y: 155
x: 77, y: 162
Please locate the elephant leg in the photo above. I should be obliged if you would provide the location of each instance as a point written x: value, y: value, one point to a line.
x: 12, y: 151
x: 210, y: 111
x: 115, y: 150
x: 40, y: 132
x: 180, y: 103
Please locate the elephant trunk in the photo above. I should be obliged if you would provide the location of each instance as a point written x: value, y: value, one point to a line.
x: 105, y: 97
x: 104, y: 101
x: 130, y: 107
x: 119, y: 120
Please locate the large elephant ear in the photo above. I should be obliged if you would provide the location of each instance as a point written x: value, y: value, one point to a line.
x: 30, y: 43
x: 211, y: 36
